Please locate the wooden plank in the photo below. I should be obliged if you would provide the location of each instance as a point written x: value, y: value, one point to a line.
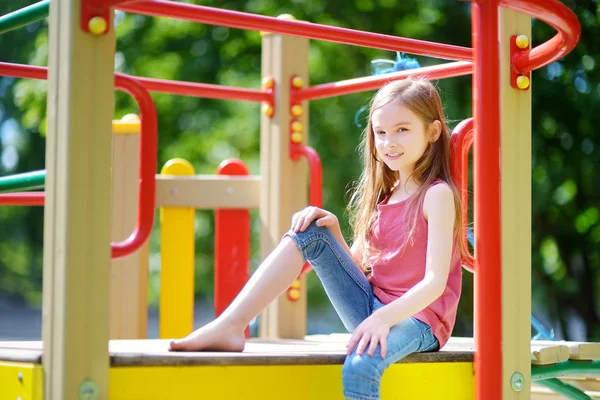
x: 257, y: 352
x: 515, y: 142
x: 80, y: 108
x: 129, y: 274
x: 208, y: 192
x: 544, y: 355
x: 577, y: 350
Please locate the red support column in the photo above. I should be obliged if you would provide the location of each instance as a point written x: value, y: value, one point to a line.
x: 232, y: 246
x: 488, y: 293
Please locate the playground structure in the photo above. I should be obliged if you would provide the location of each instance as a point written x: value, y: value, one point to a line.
x: 77, y: 199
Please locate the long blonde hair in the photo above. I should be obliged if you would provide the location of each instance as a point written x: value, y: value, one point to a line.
x: 377, y: 180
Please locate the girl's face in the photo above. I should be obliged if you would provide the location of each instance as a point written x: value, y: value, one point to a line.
x: 400, y: 137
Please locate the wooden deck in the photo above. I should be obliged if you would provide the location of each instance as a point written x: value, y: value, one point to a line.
x: 314, y: 350
x: 145, y: 369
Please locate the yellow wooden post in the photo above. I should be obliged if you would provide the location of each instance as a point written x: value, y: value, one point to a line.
x: 77, y: 211
x: 283, y: 181
x: 129, y: 274
x: 515, y: 109
x: 177, y: 261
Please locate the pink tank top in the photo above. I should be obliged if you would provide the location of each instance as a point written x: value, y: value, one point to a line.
x: 401, y: 265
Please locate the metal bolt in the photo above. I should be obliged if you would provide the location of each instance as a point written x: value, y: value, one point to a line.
x: 230, y: 190
x: 174, y: 191
x: 517, y: 381
x: 89, y: 390
x: 20, y: 377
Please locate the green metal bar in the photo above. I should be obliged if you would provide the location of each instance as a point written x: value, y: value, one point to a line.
x: 583, y: 368
x: 24, y: 16
x: 27, y: 181
x: 564, y: 389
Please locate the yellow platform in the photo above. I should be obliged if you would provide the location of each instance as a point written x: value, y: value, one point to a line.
x: 281, y: 369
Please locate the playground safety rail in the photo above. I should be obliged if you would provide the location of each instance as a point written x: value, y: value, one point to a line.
x: 148, y: 150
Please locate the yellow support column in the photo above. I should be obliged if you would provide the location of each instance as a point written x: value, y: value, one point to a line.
x: 283, y: 181
x: 177, y: 261
x: 129, y: 274
x: 515, y: 109
x: 77, y: 210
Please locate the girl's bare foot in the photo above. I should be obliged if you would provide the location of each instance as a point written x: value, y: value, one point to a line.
x: 212, y: 337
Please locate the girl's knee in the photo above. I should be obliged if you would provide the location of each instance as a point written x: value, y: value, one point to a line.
x: 365, y: 366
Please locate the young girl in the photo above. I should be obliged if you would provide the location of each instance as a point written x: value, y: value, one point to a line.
x: 397, y: 288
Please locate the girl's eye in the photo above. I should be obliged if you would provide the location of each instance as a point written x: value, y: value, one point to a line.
x: 402, y: 130
x: 380, y: 133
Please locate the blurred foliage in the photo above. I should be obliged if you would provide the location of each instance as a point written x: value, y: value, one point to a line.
x: 566, y: 229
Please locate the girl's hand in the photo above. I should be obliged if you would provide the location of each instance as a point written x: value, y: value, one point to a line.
x: 302, y: 219
x: 371, y: 332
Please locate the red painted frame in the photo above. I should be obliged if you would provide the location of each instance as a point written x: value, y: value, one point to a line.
x: 460, y: 144
x: 232, y: 245
x: 148, y: 151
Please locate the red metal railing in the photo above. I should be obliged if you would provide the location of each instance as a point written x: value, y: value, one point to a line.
x: 315, y: 197
x: 460, y: 143
x: 375, y: 82
x: 241, y: 20
x: 205, y: 90
x: 148, y: 151
x: 555, y: 14
x: 22, y: 199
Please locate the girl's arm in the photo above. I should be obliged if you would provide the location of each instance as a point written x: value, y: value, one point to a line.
x: 438, y: 208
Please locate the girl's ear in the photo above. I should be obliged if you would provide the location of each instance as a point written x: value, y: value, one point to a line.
x: 435, y: 129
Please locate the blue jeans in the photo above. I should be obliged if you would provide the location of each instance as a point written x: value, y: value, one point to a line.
x: 352, y: 297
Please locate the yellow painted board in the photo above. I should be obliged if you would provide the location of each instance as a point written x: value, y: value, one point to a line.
x: 448, y: 381
x: 177, y: 262
x: 126, y: 128
x: 21, y: 381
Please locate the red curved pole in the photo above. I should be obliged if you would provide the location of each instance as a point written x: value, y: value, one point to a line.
x: 460, y: 143
x: 236, y: 19
x: 315, y: 197
x: 147, y: 166
x: 555, y: 14
x: 148, y: 150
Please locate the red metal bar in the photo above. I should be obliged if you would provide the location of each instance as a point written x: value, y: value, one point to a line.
x: 22, y: 199
x: 488, y: 284
x: 555, y: 14
x: 147, y: 167
x: 316, y: 179
x: 205, y: 90
x: 240, y: 20
x: 148, y: 151
x: 232, y: 246
x: 156, y: 85
x: 375, y: 82
x: 460, y: 143
x: 23, y: 71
